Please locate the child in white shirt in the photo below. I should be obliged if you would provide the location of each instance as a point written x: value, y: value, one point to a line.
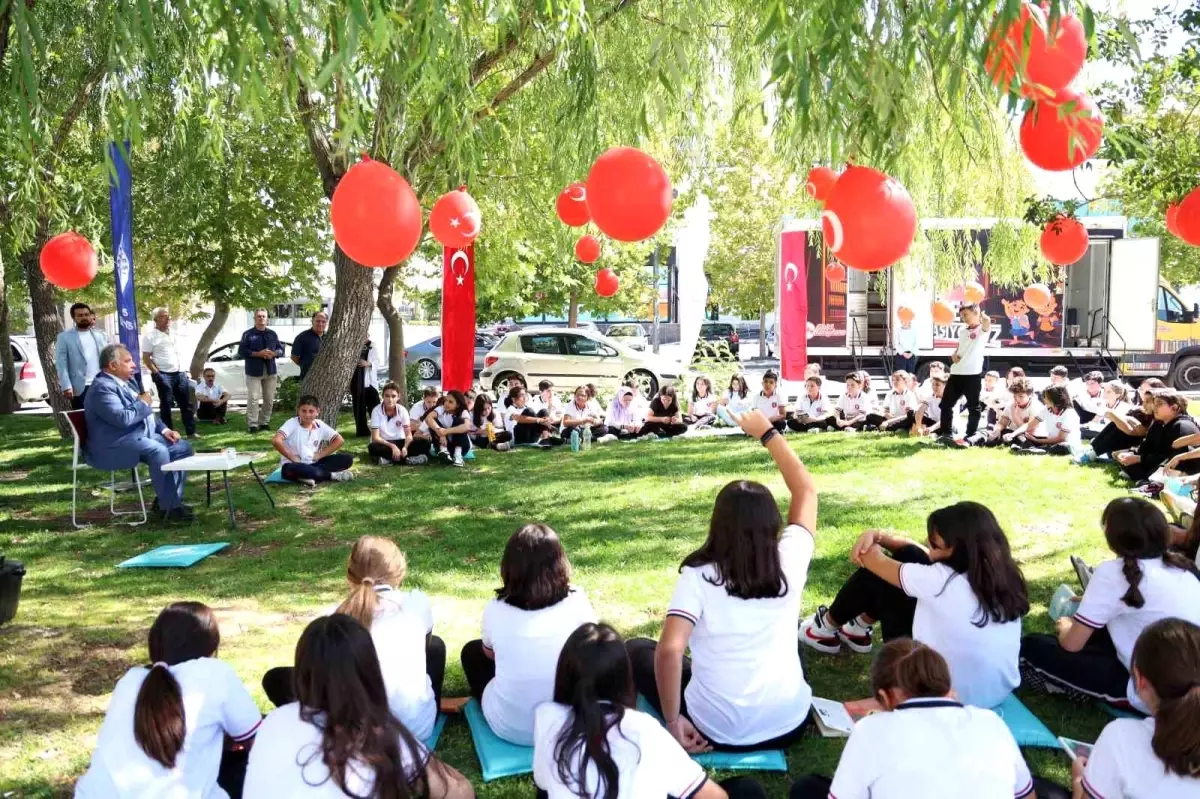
x: 928, y: 417
x: 1088, y: 397
x: 308, y: 447
x: 854, y: 404
x: 1055, y: 431
x: 1023, y: 410
x: 994, y: 396
x: 813, y: 411
x: 702, y: 409
x: 1114, y: 399
x: 391, y: 432
x: 736, y: 400
x: 899, y: 408
x: 773, y: 406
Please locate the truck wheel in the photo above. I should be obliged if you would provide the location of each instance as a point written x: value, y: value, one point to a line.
x: 1186, y: 374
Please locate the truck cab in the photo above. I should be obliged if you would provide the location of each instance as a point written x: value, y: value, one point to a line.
x: 1176, y: 355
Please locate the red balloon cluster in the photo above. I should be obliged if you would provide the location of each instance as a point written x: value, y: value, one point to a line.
x: 587, y: 249
x: 607, y: 283
x: 1185, y: 222
x: 1064, y: 241
x: 820, y: 181
x: 835, y: 272
x: 1059, y: 135
x: 572, y: 205
x: 629, y: 195
x: 69, y: 261
x: 1055, y: 54
x: 454, y: 220
x: 869, y: 220
x: 375, y: 214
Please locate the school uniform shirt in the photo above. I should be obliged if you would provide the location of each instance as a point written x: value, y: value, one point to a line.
x: 900, y: 404
x: 1018, y: 416
x: 446, y: 420
x: 573, y: 411
x: 933, y: 407
x: 934, y: 749
x: 1053, y: 424
x: 1123, y: 766
x: 162, y: 348
x: 305, y: 443
x: 391, y: 428
x: 402, y: 620
x: 996, y: 398
x: 814, y: 408
x: 971, y: 343
x: 481, y: 428
x: 703, y: 406
x: 770, y: 406
x: 1087, y: 401
x: 418, y: 412
x: 215, y: 704
x: 983, y: 660
x: 212, y: 392
x: 736, y: 403
x: 747, y: 684
x: 649, y: 761
x: 537, y: 404
x: 526, y: 644
x: 855, y: 406
x: 510, y: 414
x: 1168, y: 592
x: 1101, y: 421
x: 286, y: 761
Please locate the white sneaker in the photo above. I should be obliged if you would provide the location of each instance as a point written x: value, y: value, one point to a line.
x: 607, y: 438
x: 816, y: 635
x: 416, y: 460
x: 648, y: 437
x: 384, y: 462
x: 343, y: 476
x: 458, y: 458
x: 503, y: 446
x: 857, y: 636
x: 308, y: 482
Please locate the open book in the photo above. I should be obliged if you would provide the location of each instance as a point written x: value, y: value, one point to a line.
x: 836, y: 719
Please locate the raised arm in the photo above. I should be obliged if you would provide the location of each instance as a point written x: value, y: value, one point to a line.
x: 800, y: 483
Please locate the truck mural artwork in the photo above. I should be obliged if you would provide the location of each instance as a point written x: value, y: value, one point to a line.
x: 1109, y: 311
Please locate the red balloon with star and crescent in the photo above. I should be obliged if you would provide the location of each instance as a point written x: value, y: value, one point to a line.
x: 455, y: 221
x: 572, y: 205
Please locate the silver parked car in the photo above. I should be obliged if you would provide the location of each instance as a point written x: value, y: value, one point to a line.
x: 631, y: 335
x: 428, y: 355
x: 30, y: 385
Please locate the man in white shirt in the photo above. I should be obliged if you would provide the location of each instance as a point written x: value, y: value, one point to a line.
x: 966, y: 371
x: 211, y: 399
x: 160, y: 353
x: 77, y: 355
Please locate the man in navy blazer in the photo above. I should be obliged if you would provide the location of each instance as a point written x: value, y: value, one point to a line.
x: 122, y: 432
x: 77, y: 355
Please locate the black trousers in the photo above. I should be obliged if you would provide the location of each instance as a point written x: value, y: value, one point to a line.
x: 478, y: 667
x: 958, y: 386
x: 877, y: 420
x: 453, y: 441
x: 664, y: 429
x: 1094, y: 671
x: 321, y: 471
x: 802, y: 425
x: 418, y: 446
x: 866, y: 593
x: 364, y: 399
x: 859, y: 425
x: 597, y: 431
x: 481, y: 441
x: 77, y: 400
x: 278, y: 684
x: 619, y: 432
x: 530, y: 433
x: 641, y: 655
x: 211, y: 411
x: 1111, y: 439
x: 174, y: 388
x: 1085, y: 415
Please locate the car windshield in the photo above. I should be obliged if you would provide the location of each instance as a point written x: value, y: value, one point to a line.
x: 624, y: 330
x: 716, y: 330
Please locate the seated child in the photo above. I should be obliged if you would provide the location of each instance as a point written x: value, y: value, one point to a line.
x: 525, y: 425
x: 1015, y: 373
x: 391, y: 437
x: 702, y: 410
x: 1055, y: 431
x: 664, y: 420
x: 625, y: 417
x: 1022, y: 410
x: 308, y: 447
x: 813, y: 412
x: 772, y: 405
x: 211, y: 400
x: 854, y: 405
x: 1114, y: 401
x: 936, y: 369
x: 546, y: 400
x: 511, y: 668
x: 1126, y: 431
x: 486, y: 427
x: 1088, y: 398
x: 737, y: 400
x: 994, y: 396
x: 1058, y: 376
x: 898, y: 411
x: 418, y: 412
x: 583, y: 412
x: 1171, y: 431
x: 449, y: 426
x: 928, y: 418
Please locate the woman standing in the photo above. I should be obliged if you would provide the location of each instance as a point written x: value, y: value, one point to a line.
x: 364, y: 387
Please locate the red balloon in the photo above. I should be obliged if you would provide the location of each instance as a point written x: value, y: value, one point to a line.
x: 835, y: 272
x: 1187, y: 218
x: 1173, y: 219
x: 869, y: 220
x: 942, y: 312
x: 69, y: 261
x: 1064, y: 241
x: 572, y: 205
x: 587, y: 249
x: 820, y: 181
x: 973, y: 292
x: 454, y: 220
x: 628, y: 194
x: 607, y: 283
x: 1038, y: 295
x: 1054, y: 58
x: 375, y: 214
x: 1058, y: 144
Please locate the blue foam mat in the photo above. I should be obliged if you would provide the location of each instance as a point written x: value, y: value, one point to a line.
x: 178, y: 556
x: 432, y: 741
x: 277, y: 477
x: 1026, y: 728
x: 761, y: 760
x: 497, y: 757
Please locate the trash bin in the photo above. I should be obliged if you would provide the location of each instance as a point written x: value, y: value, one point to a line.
x: 11, y: 574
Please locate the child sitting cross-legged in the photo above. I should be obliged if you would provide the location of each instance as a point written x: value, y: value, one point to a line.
x: 927, y: 420
x: 899, y: 408
x: 309, y: 448
x: 772, y: 405
x: 625, y: 417
x: 814, y: 412
x: 702, y: 409
x: 581, y: 413
x: 1055, y: 431
x: 854, y: 404
x: 486, y: 425
x: 391, y: 434
x: 994, y: 396
x: 664, y: 419
x: 1023, y: 408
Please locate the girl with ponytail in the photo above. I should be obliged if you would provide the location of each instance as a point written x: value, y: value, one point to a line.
x: 411, y: 657
x: 1156, y: 757
x: 1089, y: 658
x: 926, y: 743
x: 589, y: 742
x: 165, y: 728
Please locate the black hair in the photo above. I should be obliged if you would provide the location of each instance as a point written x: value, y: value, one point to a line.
x: 816, y: 379
x: 460, y: 402
x: 1136, y: 530
x: 183, y: 631
x: 341, y: 692
x: 855, y: 376
x: 979, y: 550
x: 668, y: 391
x: 513, y: 392
x: 544, y: 385
x: 594, y: 679
x: 742, y: 390
x: 76, y: 306
x: 534, y: 570
x: 698, y: 381
x: 1097, y: 377
x: 310, y: 400
x: 912, y: 667
x: 1059, y: 371
x: 1058, y: 396
x: 1167, y: 655
x: 388, y: 386
x: 770, y: 375
x: 743, y: 543
x: 481, y: 402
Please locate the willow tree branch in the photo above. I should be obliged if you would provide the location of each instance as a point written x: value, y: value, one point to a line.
x: 318, y: 140
x: 83, y: 93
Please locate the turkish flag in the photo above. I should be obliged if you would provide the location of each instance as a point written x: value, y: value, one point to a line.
x: 458, y: 318
x: 792, y: 289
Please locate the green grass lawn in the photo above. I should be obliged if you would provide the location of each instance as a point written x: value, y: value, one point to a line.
x: 627, y: 513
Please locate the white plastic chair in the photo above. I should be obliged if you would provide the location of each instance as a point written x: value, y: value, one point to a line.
x: 78, y: 424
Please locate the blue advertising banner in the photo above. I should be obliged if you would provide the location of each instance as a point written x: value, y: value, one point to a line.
x: 121, y: 201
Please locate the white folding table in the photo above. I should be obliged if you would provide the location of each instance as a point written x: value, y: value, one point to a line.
x: 209, y: 462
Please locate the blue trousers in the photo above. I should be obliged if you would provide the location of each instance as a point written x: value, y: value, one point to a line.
x: 156, y: 452
x: 176, y: 387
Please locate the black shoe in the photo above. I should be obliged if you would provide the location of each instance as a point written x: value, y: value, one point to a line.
x: 253, y: 429
x: 180, y: 514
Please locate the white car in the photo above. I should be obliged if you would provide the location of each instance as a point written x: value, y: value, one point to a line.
x: 30, y: 385
x: 570, y: 357
x: 631, y: 335
x: 231, y: 369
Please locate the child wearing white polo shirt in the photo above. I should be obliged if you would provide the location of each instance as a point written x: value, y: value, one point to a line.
x: 1055, y: 430
x: 994, y: 397
x: 1147, y: 581
x: 736, y: 400
x: 899, y: 408
x: 510, y: 669
x: 418, y: 412
x: 391, y: 432
x: 165, y: 727
x: 1088, y: 397
x: 483, y: 415
x: 735, y: 606
x: 928, y: 417
x: 582, y: 412
x: 1023, y: 410
x: 813, y: 411
x: 966, y: 370
x: 888, y: 755
x: 1156, y: 757
x: 702, y: 409
x: 773, y: 406
x: 854, y: 404
x: 308, y: 448
x: 964, y: 596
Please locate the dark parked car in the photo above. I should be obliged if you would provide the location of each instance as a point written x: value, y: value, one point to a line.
x: 713, y: 333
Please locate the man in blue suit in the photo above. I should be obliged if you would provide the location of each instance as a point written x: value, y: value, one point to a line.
x: 122, y: 432
x: 77, y: 355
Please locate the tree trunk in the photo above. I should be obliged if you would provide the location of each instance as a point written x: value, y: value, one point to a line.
x: 387, y: 307
x: 47, y: 324
x: 762, y: 332
x: 8, y: 376
x: 220, y: 316
x: 329, y: 377
x: 573, y: 310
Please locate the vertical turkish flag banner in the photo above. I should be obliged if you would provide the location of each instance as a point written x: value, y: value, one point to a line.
x: 792, y: 289
x: 458, y: 318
